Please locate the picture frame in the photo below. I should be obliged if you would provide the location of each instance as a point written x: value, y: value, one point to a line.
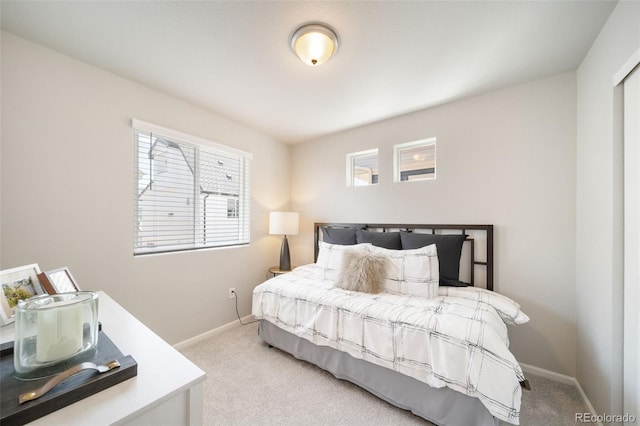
x: 17, y: 284
x: 58, y: 280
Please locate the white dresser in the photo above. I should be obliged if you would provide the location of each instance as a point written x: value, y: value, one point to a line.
x: 166, y: 391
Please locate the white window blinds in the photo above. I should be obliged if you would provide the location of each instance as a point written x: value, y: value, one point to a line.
x: 189, y: 193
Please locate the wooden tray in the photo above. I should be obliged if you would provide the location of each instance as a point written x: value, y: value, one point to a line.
x: 75, y: 388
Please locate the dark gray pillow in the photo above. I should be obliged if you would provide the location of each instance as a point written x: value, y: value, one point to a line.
x: 449, y: 250
x: 388, y: 240
x: 341, y: 236
x: 445, y: 282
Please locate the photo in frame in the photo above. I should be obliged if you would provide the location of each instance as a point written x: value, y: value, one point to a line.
x: 58, y: 280
x: 17, y: 284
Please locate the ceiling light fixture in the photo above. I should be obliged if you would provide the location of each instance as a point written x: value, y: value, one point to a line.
x: 314, y: 43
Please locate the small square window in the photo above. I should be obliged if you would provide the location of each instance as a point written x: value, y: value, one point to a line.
x: 362, y: 168
x: 415, y: 160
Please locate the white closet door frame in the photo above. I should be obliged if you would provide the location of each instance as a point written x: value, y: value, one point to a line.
x: 629, y: 77
x: 631, y: 393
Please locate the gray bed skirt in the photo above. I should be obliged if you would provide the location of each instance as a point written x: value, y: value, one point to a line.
x: 442, y: 406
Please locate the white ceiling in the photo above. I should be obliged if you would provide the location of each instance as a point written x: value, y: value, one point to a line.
x: 233, y: 57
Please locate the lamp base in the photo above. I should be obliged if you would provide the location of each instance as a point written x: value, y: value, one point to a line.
x: 285, y: 258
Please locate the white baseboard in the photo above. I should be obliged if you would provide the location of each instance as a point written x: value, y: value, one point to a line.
x: 560, y: 378
x: 547, y: 374
x: 207, y: 334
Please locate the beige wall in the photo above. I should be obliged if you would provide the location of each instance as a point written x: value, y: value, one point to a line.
x: 505, y: 158
x: 599, y: 212
x: 67, y: 191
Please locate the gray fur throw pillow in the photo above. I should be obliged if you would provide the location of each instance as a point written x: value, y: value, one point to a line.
x: 362, y: 271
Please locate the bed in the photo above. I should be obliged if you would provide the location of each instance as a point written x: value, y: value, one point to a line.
x: 430, y: 338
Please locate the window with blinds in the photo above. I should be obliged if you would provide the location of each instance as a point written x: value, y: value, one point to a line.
x: 189, y: 193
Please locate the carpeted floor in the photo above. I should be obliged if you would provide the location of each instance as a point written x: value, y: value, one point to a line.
x: 249, y: 383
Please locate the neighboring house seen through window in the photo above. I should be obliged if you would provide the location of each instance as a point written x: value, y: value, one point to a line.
x: 189, y: 193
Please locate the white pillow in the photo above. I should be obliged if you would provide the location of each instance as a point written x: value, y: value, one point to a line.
x: 413, y: 272
x: 330, y: 259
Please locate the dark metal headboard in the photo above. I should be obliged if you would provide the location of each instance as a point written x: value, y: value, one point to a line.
x: 462, y: 229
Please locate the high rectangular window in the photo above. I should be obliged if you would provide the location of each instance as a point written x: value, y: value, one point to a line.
x: 415, y: 160
x: 362, y: 168
x: 189, y: 193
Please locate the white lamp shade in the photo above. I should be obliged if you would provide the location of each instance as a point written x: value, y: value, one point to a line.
x: 283, y: 223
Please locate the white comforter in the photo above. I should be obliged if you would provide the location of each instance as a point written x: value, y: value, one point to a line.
x: 458, y: 339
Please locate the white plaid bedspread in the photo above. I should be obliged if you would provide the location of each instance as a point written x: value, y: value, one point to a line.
x: 458, y: 342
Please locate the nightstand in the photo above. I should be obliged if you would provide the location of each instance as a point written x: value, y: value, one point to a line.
x: 275, y: 270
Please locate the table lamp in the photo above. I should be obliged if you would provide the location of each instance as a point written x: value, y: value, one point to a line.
x: 284, y: 223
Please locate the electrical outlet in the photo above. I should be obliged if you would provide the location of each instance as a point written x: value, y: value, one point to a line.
x: 232, y: 292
